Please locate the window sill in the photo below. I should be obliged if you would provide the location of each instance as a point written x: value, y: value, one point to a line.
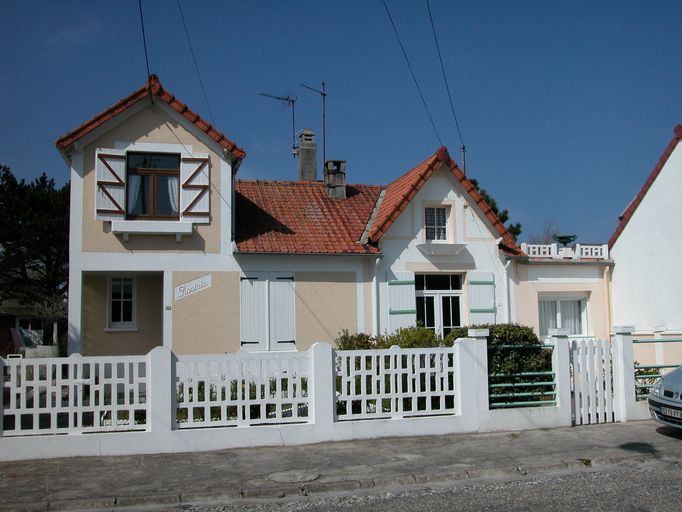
x: 121, y: 329
x: 435, y: 248
x: 151, y: 227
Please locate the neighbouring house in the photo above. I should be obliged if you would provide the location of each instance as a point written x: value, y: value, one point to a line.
x: 647, y: 280
x: 168, y: 248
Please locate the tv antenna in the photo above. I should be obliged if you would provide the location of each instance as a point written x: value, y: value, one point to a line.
x: 288, y: 101
x: 322, y: 93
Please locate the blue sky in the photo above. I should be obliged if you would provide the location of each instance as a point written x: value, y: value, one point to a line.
x: 564, y: 106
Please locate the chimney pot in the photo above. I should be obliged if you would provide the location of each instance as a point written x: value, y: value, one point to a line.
x: 335, y: 179
x: 307, y: 156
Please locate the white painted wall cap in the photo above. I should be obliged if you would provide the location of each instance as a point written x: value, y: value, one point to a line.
x: 558, y: 332
x: 478, y: 333
x: 623, y: 329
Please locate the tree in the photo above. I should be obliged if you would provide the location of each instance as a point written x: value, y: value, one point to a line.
x: 34, y: 239
x: 514, y: 229
x: 550, y: 227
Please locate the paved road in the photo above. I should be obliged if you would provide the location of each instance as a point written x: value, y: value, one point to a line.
x: 239, y: 477
x: 649, y: 486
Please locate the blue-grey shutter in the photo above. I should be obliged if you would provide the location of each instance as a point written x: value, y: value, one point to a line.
x: 402, y: 308
x: 253, y: 310
x: 482, y: 308
x: 282, y: 311
x: 110, y: 186
x: 194, y: 195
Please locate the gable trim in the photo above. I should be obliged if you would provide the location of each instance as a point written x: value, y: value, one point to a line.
x: 632, y: 207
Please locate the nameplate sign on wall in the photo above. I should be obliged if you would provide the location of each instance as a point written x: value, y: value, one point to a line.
x: 192, y: 287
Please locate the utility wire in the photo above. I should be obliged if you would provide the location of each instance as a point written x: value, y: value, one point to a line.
x: 144, y: 39
x: 447, y: 87
x: 196, y: 66
x: 412, y: 72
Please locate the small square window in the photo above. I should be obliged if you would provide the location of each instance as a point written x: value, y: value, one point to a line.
x: 121, y: 302
x: 435, y: 222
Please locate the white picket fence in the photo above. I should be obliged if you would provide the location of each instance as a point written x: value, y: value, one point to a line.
x: 242, y: 389
x: 75, y: 395
x: 592, y: 370
x: 163, y: 402
x: 395, y: 383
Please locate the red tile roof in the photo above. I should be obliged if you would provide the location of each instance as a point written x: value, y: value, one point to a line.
x: 401, y: 191
x: 297, y: 217
x: 630, y: 210
x: 152, y: 88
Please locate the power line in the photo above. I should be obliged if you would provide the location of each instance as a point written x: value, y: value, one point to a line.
x: 196, y: 66
x: 144, y: 38
x: 433, y: 125
x: 447, y: 87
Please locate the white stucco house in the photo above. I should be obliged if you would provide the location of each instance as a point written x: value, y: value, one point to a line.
x: 168, y: 247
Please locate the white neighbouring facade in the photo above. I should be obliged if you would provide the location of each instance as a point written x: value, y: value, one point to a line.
x: 647, y: 244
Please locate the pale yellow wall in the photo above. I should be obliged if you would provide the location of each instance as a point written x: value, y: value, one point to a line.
x: 97, y: 341
x: 207, y: 322
x: 326, y: 303
x: 658, y: 353
x: 596, y: 293
x: 150, y: 125
x: 368, y: 270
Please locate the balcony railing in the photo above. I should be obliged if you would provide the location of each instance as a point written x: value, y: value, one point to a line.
x: 578, y: 252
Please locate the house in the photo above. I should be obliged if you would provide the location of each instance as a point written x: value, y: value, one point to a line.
x: 169, y: 248
x: 647, y: 280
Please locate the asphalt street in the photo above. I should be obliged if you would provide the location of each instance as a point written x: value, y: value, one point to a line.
x: 596, y: 467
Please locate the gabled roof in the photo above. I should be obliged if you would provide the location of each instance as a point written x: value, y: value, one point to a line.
x: 632, y: 207
x: 154, y: 89
x: 297, y: 217
x: 401, y: 191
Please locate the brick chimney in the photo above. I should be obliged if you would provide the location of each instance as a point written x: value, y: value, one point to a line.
x: 307, y: 156
x: 335, y: 179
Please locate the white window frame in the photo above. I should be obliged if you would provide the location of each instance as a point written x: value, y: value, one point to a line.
x: 121, y: 326
x: 438, y: 296
x: 559, y: 298
x: 446, y: 208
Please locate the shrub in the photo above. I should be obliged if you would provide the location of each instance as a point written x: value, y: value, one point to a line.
x: 410, y: 337
x: 356, y: 341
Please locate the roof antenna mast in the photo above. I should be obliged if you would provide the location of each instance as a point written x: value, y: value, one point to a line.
x: 288, y: 101
x: 322, y: 93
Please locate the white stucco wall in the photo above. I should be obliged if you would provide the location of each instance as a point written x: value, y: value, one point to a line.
x: 466, y: 226
x: 647, y: 278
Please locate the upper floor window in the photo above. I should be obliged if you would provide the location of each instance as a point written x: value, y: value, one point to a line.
x: 435, y: 221
x: 152, y: 185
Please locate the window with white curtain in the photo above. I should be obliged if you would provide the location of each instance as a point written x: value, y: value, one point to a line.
x: 152, y: 188
x: 563, y: 314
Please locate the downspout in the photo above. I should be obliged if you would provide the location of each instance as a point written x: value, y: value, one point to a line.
x: 375, y: 291
x: 507, y: 289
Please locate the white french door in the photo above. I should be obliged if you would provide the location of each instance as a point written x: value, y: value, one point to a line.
x: 439, y: 311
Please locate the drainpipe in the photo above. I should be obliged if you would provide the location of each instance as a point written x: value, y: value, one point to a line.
x: 375, y: 291
x: 507, y: 289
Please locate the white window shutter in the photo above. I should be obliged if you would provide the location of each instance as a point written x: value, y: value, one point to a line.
x: 110, y: 186
x: 282, y: 311
x: 194, y: 195
x: 402, y: 307
x: 253, y: 316
x: 482, y: 309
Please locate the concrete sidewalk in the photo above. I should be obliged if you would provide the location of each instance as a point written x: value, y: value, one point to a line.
x: 275, y: 472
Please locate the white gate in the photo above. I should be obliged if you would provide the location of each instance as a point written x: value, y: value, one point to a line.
x: 592, y: 381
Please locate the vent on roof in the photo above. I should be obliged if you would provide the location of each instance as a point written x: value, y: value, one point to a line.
x: 307, y: 156
x: 335, y: 179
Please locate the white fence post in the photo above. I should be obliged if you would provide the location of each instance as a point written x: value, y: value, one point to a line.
x: 624, y: 373
x: 161, y: 390
x: 322, y: 385
x: 473, y: 376
x: 562, y: 373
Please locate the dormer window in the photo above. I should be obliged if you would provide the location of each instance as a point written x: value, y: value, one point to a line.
x: 153, y: 186
x: 435, y: 222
